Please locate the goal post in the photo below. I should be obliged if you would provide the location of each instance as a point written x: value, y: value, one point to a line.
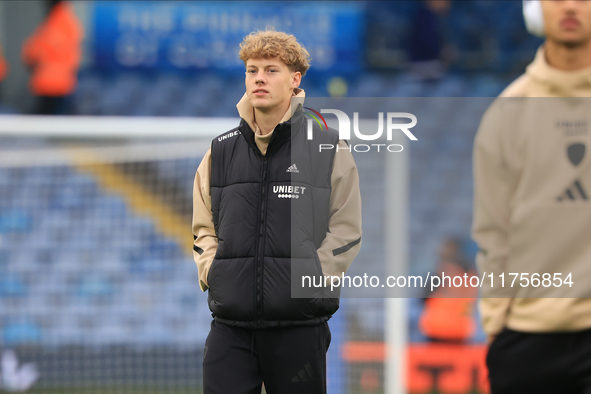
x: 114, y: 126
x: 397, y: 230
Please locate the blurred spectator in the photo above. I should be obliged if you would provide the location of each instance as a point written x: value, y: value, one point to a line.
x: 3, y: 70
x: 3, y: 66
x: 54, y: 52
x: 448, y: 313
x: 427, y: 44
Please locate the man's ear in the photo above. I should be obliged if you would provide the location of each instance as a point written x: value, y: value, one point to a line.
x: 296, y: 79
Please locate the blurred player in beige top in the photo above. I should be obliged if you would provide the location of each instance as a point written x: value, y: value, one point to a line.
x: 531, y: 209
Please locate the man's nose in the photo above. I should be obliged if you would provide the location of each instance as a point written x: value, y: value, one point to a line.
x: 259, y: 78
x: 571, y: 5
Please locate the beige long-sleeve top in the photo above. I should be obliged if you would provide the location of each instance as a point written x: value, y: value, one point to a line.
x: 344, y: 226
x: 521, y: 169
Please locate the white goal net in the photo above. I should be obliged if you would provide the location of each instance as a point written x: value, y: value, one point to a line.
x: 98, y: 288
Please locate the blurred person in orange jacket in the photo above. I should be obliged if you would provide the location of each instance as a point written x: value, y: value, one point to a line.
x: 3, y: 70
x: 448, y: 312
x: 3, y: 66
x: 53, y: 52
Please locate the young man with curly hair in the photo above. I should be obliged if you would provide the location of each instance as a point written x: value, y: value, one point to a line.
x: 267, y: 204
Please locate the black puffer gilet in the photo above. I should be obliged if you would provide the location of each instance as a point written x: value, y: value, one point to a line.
x: 264, y: 226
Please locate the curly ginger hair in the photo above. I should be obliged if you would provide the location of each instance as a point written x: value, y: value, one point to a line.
x: 267, y: 44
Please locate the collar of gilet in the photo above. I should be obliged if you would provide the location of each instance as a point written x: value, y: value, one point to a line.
x: 291, y: 122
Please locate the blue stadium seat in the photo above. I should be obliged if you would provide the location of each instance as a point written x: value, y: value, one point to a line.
x: 450, y: 86
x: 124, y: 95
x: 112, y: 333
x: 20, y: 333
x: 66, y: 332
x: 87, y: 97
x: 95, y: 286
x: 368, y: 85
x: 166, y: 95
x: 407, y: 87
x: 12, y: 286
x: 15, y: 221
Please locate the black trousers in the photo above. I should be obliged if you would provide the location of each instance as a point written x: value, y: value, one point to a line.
x: 288, y: 360
x: 552, y: 363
